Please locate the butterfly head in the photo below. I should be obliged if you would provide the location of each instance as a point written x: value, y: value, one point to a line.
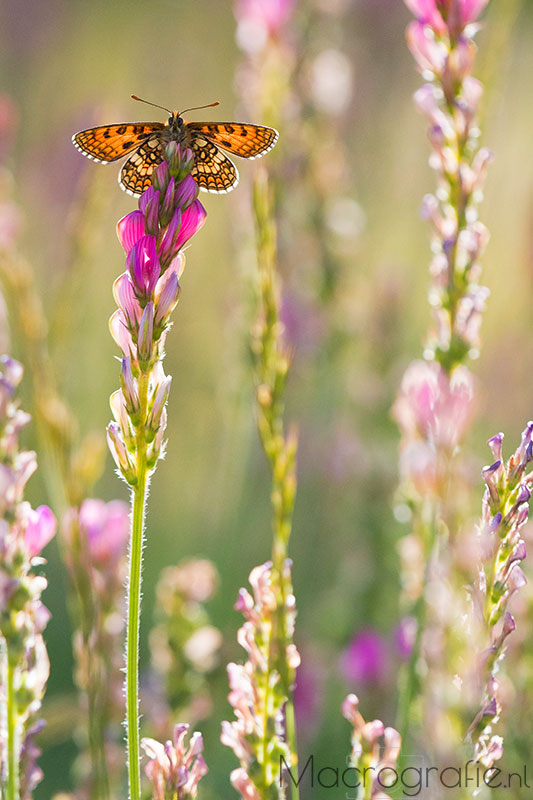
x: 175, y: 121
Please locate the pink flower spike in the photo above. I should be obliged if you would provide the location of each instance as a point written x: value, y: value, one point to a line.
x: 144, y: 267
x: 130, y: 229
x: 192, y: 220
x: 40, y: 529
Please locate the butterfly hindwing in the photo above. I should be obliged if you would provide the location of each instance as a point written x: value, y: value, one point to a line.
x: 213, y: 171
x: 136, y: 174
x: 110, y: 142
x: 240, y: 138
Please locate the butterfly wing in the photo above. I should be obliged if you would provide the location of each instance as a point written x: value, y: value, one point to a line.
x: 240, y: 138
x: 110, y: 142
x: 136, y: 173
x: 213, y: 171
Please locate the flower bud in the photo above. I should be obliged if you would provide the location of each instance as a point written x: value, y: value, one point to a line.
x: 166, y: 297
x: 146, y: 334
x: 161, y: 177
x: 161, y: 397
x: 129, y: 389
x: 120, y: 453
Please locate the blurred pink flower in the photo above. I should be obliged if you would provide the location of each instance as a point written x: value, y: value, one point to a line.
x: 365, y: 660
x: 432, y: 406
x: 426, y: 11
x: 271, y: 14
x: 8, y: 124
x: 404, y: 636
x: 446, y: 15
x: 471, y: 9
x: 303, y: 327
x: 40, y: 529
x: 106, y: 526
x: 429, y: 52
x: 10, y: 225
x: 419, y: 464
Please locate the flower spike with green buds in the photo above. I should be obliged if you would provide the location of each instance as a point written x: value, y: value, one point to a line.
x: 501, y: 549
x: 24, y: 666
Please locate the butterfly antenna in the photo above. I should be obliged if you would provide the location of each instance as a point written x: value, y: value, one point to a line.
x: 148, y: 103
x: 197, y: 108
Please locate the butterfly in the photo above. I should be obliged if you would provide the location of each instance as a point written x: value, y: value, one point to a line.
x: 213, y: 171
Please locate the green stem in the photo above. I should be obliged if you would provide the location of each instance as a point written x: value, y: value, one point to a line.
x: 13, y: 779
x: 409, y: 691
x: 282, y: 531
x: 134, y: 600
x: 290, y: 730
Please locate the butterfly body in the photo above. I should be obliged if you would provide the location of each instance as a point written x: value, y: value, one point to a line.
x: 145, y: 144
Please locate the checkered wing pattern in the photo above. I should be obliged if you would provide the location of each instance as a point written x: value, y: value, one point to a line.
x: 136, y: 174
x: 240, y: 138
x: 111, y: 142
x: 213, y: 171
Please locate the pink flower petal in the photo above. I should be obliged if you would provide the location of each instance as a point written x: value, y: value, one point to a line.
x: 130, y: 229
x: 40, y: 529
x: 191, y: 221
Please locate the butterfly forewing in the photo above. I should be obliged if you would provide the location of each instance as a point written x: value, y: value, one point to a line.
x: 213, y: 171
x: 136, y: 174
x: 110, y: 142
x: 240, y: 138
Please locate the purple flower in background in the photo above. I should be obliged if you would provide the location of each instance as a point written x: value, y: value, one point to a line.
x: 404, y: 637
x: 365, y: 660
x: 308, y: 694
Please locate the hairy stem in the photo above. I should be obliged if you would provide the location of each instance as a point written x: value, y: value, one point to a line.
x: 134, y: 600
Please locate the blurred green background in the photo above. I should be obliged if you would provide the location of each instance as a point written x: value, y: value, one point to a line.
x: 69, y: 65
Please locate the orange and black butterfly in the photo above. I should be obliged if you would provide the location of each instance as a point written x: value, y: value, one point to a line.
x: 213, y: 170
